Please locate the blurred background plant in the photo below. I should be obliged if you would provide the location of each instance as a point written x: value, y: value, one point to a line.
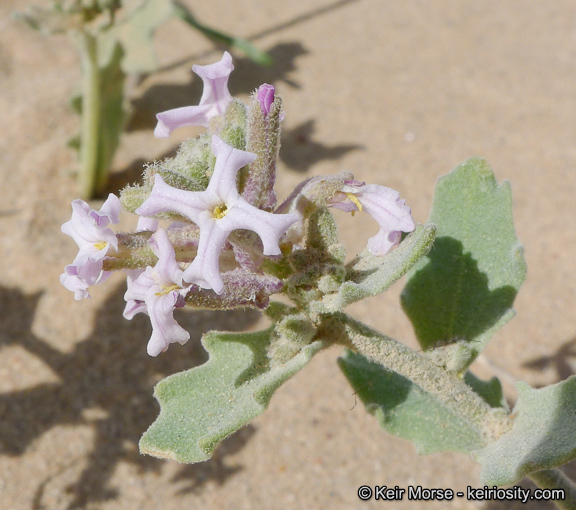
x: 114, y: 39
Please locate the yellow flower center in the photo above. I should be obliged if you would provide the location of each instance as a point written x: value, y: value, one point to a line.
x: 356, y: 202
x: 219, y: 211
x: 101, y: 245
x: 166, y: 290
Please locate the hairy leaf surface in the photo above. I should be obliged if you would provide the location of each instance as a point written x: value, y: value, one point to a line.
x: 201, y: 407
x: 463, y: 290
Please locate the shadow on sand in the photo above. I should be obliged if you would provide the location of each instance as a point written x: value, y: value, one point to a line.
x: 109, y: 372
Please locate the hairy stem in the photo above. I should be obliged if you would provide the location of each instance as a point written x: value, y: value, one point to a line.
x: 445, y: 386
x: 556, y: 479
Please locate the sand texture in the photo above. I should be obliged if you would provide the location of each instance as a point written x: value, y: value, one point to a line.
x: 397, y: 92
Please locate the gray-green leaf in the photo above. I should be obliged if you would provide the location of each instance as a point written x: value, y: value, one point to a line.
x: 404, y: 409
x: 201, y: 407
x: 136, y: 34
x: 490, y: 391
x: 542, y: 436
x: 369, y: 275
x: 463, y: 291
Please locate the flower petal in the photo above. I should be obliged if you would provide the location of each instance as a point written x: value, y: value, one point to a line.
x: 205, y: 269
x: 389, y: 211
x: 71, y: 280
x: 166, y: 272
x: 84, y: 271
x: 147, y: 224
x: 170, y: 120
x: 384, y: 241
x: 270, y: 227
x: 215, y: 77
x: 110, y: 211
x: 215, y: 98
x: 165, y: 198
x: 228, y: 162
x: 165, y: 329
x: 265, y: 97
x: 386, y: 207
x: 139, y: 281
x: 87, y: 226
x: 133, y: 305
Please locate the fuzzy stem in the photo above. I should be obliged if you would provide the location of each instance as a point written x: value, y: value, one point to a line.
x: 445, y: 386
x: 90, y: 121
x: 556, y: 479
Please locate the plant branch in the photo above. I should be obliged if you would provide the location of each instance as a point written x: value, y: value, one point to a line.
x: 447, y: 387
x: 90, y: 121
x: 556, y: 479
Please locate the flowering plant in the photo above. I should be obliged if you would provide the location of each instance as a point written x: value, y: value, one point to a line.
x: 211, y: 235
x: 114, y: 39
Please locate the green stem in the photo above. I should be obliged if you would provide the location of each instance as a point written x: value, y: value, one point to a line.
x: 556, y: 479
x: 445, y: 386
x: 90, y: 121
x: 260, y: 57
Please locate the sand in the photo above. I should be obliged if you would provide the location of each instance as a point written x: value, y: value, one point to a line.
x: 397, y: 93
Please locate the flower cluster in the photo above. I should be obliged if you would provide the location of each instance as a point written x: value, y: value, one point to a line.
x: 218, y: 196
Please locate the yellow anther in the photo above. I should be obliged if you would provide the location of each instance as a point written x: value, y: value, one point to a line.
x: 354, y: 200
x: 219, y: 211
x: 166, y: 290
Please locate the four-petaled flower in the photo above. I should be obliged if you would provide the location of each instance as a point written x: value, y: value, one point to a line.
x: 90, y: 230
x: 215, y: 98
x: 157, y: 292
x: 217, y: 211
x: 384, y: 205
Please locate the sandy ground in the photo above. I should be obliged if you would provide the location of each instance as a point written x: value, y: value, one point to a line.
x: 396, y: 92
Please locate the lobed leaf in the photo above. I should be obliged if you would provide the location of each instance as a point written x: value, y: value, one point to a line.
x: 542, y: 436
x: 201, y: 407
x: 136, y: 34
x: 406, y: 410
x: 463, y: 290
x: 490, y: 391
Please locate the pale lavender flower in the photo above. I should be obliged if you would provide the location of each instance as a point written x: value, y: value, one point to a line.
x: 147, y: 224
x: 215, y: 98
x: 265, y: 97
x: 133, y: 306
x: 217, y: 211
x: 157, y: 292
x: 90, y: 231
x: 384, y: 205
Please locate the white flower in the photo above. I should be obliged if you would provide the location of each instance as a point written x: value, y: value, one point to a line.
x: 157, y: 292
x: 215, y: 98
x: 90, y: 230
x: 217, y: 211
x: 384, y: 205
